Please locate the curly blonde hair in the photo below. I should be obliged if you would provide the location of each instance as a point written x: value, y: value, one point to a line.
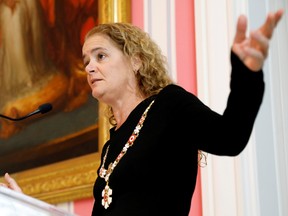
x: 152, y: 76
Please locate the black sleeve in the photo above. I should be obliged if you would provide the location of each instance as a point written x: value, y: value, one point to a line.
x: 229, y: 133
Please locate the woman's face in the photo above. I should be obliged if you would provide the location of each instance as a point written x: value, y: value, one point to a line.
x: 109, y: 73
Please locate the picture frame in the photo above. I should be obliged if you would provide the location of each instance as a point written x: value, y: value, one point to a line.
x: 73, y: 179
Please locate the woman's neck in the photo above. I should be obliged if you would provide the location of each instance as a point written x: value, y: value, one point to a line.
x: 123, y: 109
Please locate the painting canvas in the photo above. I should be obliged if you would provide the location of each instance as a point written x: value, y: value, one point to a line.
x: 41, y: 62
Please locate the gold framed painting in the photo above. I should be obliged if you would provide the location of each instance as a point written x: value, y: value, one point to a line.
x: 53, y: 157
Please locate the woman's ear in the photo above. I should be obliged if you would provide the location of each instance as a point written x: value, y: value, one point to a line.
x: 136, y: 63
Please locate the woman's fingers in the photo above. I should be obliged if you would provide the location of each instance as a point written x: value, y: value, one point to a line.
x: 11, y: 183
x: 241, y: 28
x: 260, y: 42
x: 271, y: 22
x: 253, y: 49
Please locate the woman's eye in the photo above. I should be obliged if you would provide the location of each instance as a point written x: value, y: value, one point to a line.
x: 100, y: 56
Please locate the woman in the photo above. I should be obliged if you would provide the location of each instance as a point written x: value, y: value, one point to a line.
x: 149, y: 165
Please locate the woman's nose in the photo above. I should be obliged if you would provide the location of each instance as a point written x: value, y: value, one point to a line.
x: 90, y: 68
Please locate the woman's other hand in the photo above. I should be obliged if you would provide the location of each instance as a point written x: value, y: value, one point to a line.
x: 10, y: 183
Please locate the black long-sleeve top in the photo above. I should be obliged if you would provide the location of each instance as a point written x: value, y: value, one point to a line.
x: 157, y: 175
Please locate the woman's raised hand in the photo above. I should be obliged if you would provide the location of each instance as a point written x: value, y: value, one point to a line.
x: 253, y: 50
